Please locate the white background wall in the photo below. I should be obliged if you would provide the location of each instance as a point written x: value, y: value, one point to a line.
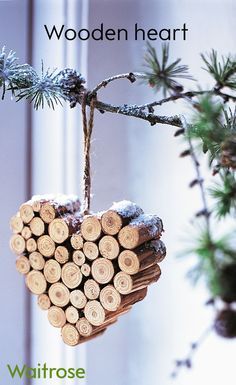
x: 14, y: 181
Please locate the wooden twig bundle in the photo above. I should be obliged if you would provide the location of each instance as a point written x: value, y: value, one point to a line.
x: 86, y: 270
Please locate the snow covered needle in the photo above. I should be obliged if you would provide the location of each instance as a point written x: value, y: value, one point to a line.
x: 52, y: 87
x: 49, y: 88
x: 12, y: 75
x: 44, y: 89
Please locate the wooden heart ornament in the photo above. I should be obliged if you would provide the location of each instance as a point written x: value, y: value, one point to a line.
x: 87, y: 270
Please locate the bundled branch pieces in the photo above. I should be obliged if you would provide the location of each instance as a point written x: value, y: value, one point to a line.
x: 86, y: 270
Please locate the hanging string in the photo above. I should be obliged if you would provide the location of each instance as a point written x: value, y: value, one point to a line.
x: 87, y: 129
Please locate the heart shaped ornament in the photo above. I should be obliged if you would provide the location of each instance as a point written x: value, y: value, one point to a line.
x: 87, y: 270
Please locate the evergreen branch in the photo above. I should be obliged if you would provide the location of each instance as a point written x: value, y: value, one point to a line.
x: 224, y: 71
x: 160, y: 74
x: 44, y: 90
x: 208, y: 127
x: 54, y: 87
x: 224, y: 194
x: 13, y: 75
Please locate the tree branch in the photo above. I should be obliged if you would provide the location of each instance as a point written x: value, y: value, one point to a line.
x: 131, y: 76
x: 138, y: 112
x: 146, y: 111
x: 200, y: 180
x: 187, y: 362
x: 188, y: 96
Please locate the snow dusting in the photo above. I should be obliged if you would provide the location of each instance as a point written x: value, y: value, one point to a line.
x: 127, y: 209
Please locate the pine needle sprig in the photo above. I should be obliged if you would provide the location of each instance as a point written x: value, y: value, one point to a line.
x: 230, y: 120
x: 208, y: 128
x: 224, y: 71
x: 49, y: 88
x: 44, y: 90
x: 212, y: 255
x: 224, y: 194
x: 12, y: 75
x: 54, y: 87
x: 204, y: 249
x: 160, y: 74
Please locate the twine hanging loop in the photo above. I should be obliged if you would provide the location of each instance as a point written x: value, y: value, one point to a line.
x: 87, y: 131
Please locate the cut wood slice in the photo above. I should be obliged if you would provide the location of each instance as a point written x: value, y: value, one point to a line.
x: 78, y: 299
x: 58, y: 230
x: 94, y: 335
x: 94, y: 313
x: 26, y: 212
x: 71, y: 275
x: 37, y: 226
x: 61, y: 254
x: 36, y: 282
x: 91, y: 289
x: 52, y: 271
x: 36, y: 260
x: 47, y: 212
x: 53, y: 206
x: 119, y: 215
x: 16, y: 224
x: 78, y: 257
x: 132, y: 261
x: 36, y: 205
x: 17, y: 244
x: 109, y: 247
x: 72, y: 314
x: 77, y: 241
x: 110, y: 298
x: 112, y: 316
x: 59, y: 294
x: 70, y: 335
x: 85, y: 269
x: 159, y: 249
x: 90, y: 250
x: 140, y: 230
x: 37, y: 201
x: 44, y: 301
x: 132, y: 298
x: 26, y: 232
x: 31, y: 245
x: 61, y: 228
x: 46, y: 246
x: 125, y: 283
x: 56, y: 316
x: 107, y: 322
x: 102, y: 270
x: 23, y: 265
x: 84, y: 327
x: 91, y: 228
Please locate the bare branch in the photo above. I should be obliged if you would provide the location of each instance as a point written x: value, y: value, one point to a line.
x: 146, y: 111
x: 188, y: 96
x: 205, y: 211
x: 187, y: 362
x: 131, y: 76
x: 138, y: 112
